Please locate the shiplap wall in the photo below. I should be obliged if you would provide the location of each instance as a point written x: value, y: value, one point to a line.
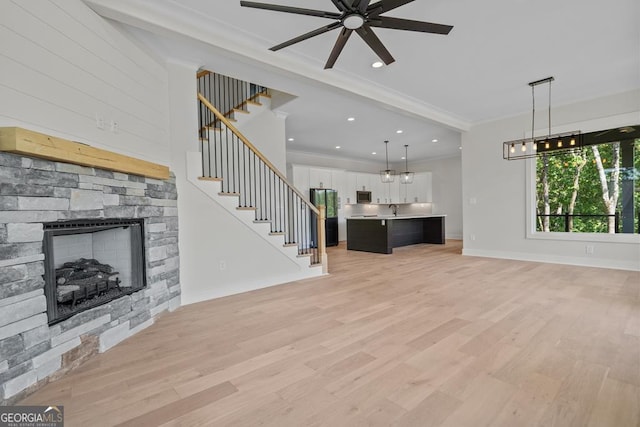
x: 61, y: 65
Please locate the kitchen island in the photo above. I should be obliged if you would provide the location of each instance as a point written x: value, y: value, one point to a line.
x: 380, y: 234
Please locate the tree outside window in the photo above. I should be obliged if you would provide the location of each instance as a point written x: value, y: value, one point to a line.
x: 593, y: 190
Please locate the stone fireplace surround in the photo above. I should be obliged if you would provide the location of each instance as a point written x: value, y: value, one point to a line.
x: 35, y: 191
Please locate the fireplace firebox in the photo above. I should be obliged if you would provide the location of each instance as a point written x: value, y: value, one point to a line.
x: 91, y: 262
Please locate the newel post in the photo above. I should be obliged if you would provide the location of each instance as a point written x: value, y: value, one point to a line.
x: 322, y: 244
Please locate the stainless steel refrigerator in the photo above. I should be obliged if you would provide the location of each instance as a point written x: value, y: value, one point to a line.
x: 329, y: 199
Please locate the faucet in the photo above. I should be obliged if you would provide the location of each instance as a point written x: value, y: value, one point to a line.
x: 394, y: 209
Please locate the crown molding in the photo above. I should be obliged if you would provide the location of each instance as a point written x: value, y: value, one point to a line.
x: 174, y: 19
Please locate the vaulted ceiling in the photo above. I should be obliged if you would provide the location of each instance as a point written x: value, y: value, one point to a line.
x: 439, y: 85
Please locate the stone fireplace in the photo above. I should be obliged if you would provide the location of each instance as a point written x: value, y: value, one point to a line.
x: 59, y: 224
x: 89, y: 263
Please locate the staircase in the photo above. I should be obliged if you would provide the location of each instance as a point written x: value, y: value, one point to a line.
x: 236, y: 175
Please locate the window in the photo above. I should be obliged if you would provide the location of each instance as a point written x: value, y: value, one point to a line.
x: 595, y: 190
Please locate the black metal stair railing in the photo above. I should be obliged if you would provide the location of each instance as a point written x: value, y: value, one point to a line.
x: 228, y: 95
x: 259, y: 185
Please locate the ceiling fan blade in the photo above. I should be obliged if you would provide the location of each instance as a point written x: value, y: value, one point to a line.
x: 289, y: 9
x: 342, y: 5
x: 361, y: 5
x: 306, y: 36
x: 337, y: 48
x: 407, y: 24
x: 375, y: 44
x: 385, y: 6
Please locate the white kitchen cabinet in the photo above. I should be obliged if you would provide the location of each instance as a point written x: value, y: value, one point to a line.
x: 393, y: 191
x: 419, y: 191
x: 363, y: 181
x: 320, y: 178
x: 377, y: 190
x: 351, y: 187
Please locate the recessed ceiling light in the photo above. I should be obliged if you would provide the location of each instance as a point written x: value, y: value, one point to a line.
x: 377, y: 64
x: 350, y: 119
x: 434, y: 140
x: 374, y: 153
x: 399, y: 131
x: 291, y: 140
x: 337, y: 147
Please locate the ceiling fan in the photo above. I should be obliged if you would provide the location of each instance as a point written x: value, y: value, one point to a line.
x: 358, y: 16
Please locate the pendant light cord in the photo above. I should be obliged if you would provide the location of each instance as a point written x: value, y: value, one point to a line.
x: 386, y: 153
x: 533, y: 112
x: 406, y: 160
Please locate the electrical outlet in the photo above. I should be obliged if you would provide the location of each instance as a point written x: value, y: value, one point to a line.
x: 588, y: 249
x: 114, y: 126
x: 472, y: 237
x: 223, y: 265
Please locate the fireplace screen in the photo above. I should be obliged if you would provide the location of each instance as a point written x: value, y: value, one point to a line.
x: 91, y: 262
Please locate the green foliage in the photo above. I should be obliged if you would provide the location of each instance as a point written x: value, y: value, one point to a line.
x: 561, y: 174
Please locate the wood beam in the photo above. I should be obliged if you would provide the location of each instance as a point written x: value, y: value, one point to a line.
x: 29, y: 143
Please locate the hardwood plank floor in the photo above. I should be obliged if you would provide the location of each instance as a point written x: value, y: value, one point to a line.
x: 422, y: 337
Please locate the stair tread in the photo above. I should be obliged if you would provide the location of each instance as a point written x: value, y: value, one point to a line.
x: 276, y: 233
x: 209, y: 178
x: 253, y: 102
x: 222, y: 193
x: 286, y: 245
x: 237, y: 110
x: 246, y: 208
x: 304, y: 255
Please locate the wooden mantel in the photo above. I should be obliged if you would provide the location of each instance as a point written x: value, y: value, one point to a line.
x: 30, y: 143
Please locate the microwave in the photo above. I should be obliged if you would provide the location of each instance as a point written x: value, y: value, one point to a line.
x: 363, y: 196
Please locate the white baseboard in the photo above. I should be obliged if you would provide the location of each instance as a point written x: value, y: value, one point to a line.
x: 555, y: 259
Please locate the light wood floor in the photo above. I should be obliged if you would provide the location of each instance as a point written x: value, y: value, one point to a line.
x: 423, y: 337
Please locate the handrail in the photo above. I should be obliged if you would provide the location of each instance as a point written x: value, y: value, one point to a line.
x: 202, y: 73
x: 253, y: 148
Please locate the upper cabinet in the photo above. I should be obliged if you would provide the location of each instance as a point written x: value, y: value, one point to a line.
x: 419, y: 191
x: 348, y: 183
x: 320, y: 178
x: 351, y: 187
x: 364, y: 181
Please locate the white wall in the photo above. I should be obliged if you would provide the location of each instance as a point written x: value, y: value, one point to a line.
x: 266, y: 130
x: 208, y: 233
x: 63, y: 65
x: 446, y: 184
x: 335, y: 162
x: 497, y: 219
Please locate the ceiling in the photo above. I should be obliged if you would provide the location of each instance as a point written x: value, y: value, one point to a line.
x: 439, y: 85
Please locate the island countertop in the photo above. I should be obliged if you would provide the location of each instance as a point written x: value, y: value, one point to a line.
x: 378, y: 217
x: 382, y: 233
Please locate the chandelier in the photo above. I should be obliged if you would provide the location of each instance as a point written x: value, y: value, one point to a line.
x: 537, y: 146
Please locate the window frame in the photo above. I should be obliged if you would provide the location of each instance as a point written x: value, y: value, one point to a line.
x: 531, y: 194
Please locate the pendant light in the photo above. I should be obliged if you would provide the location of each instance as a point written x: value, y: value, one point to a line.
x: 551, y: 144
x: 387, y: 175
x: 406, y: 177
